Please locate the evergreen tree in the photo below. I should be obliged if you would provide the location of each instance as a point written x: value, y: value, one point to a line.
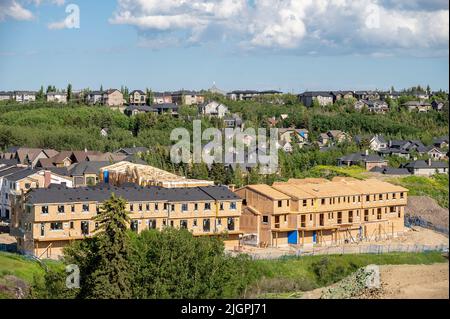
x: 69, y: 92
x: 101, y: 88
x: 103, y: 259
x: 238, y: 181
x: 217, y: 173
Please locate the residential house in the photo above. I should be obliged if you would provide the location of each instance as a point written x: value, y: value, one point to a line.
x: 137, y: 97
x: 233, y: 121
x: 333, y: 137
x: 311, y: 212
x: 113, y: 97
x: 94, y: 97
x: 366, y: 95
x: 166, y: 108
x: 6, y: 96
x: 322, y: 97
x: 417, y: 106
x: 244, y: 95
x: 132, y: 110
x: 185, y: 97
x: 57, y: 97
x: 50, y: 219
x: 437, y: 105
x: 435, y: 153
x: 369, y: 161
x: 288, y: 137
x: 390, y: 171
x: 31, y: 156
x: 24, y: 96
x: 339, y: 95
x: 162, y: 97
x: 375, y: 106
x: 441, y: 142
x: 426, y: 168
x: 377, y: 142
x: 213, y: 108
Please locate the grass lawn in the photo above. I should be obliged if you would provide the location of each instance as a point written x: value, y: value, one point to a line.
x: 350, y: 171
x: 435, y: 187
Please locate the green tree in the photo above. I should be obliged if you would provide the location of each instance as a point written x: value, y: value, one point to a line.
x: 69, y: 92
x: 103, y: 259
x: 217, y: 173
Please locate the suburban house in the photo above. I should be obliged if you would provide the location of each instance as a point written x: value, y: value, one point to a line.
x: 435, y: 153
x: 215, y: 90
x: 322, y: 97
x: 366, y: 95
x: 166, y: 108
x: 339, y: 95
x: 369, y: 161
x: 375, y: 106
x: 333, y: 136
x: 441, y: 142
x: 133, y: 151
x: 6, y: 96
x: 244, y: 95
x: 112, y: 97
x: 57, y: 97
x: 437, y: 105
x: 288, y: 137
x: 311, y: 212
x: 213, y: 108
x: 390, y: 171
x: 184, y: 97
x: 137, y: 97
x: 31, y: 156
x: 162, y: 97
x: 417, y: 106
x: 24, y: 96
x: 47, y: 220
x: 94, y: 97
x: 377, y: 143
x: 233, y: 121
x: 426, y: 168
x: 135, y: 109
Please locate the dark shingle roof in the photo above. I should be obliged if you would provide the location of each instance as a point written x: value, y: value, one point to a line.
x: 424, y: 164
x: 25, y: 172
x: 61, y: 194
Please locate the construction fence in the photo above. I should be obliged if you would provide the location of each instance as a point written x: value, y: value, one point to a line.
x: 417, y: 221
x: 347, y: 250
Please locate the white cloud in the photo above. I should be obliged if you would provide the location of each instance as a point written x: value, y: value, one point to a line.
x: 13, y: 9
x: 375, y: 27
x: 57, y: 25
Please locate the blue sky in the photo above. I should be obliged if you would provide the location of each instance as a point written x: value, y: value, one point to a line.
x: 292, y: 45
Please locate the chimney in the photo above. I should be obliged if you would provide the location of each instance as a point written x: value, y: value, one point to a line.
x: 367, y: 152
x: 47, y: 178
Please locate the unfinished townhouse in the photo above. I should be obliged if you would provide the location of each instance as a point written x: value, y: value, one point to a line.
x: 47, y: 220
x: 320, y: 212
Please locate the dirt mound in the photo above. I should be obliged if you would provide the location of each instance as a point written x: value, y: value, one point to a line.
x: 428, y: 209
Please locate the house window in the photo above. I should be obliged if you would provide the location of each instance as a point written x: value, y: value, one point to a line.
x: 394, y: 196
x: 350, y: 216
x: 183, y: 224
x: 401, y: 195
x: 323, y: 201
x: 194, y: 223
x: 310, y: 217
x: 97, y: 209
x: 131, y: 207
x: 366, y: 215
x: 156, y: 207
x: 42, y: 229
x: 304, y: 203
x: 206, y: 225
x: 280, y: 203
x: 134, y: 225
x: 85, y: 228
x: 140, y: 207
x: 287, y: 203
x: 44, y: 210
x: 302, y: 221
x: 367, y: 198
x: 207, y: 206
x: 196, y: 207
x: 221, y: 206
x: 27, y: 185
x: 233, y: 205
x: 72, y: 226
x: 379, y: 213
x: 72, y: 208
x: 60, y: 209
x: 152, y: 224
x: 147, y: 207
x: 339, y: 218
x: 219, y: 221
x: 165, y: 206
x: 164, y: 222
x: 184, y: 207
x: 230, y: 223
x: 172, y: 207
x: 380, y: 197
x: 56, y: 226
x: 393, y: 209
x: 265, y: 219
x: 85, y: 208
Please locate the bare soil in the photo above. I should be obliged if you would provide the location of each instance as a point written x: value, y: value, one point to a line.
x: 428, y: 209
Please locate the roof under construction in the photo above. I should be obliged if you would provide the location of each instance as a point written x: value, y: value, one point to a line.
x: 144, y: 175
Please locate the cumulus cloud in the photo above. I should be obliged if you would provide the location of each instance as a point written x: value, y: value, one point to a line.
x: 375, y: 27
